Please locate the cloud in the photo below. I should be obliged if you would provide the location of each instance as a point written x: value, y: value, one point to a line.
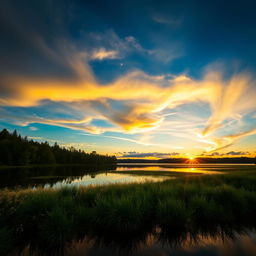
x: 130, y: 45
x: 226, y: 141
x: 231, y: 153
x: 135, y: 101
x: 233, y: 97
x: 132, y: 41
x: 237, y: 153
x: 166, y: 20
x: 214, y: 154
x: 149, y: 155
x: 25, y: 120
x: 32, y: 128
x: 50, y: 69
x: 118, y: 47
x: 118, y: 138
x: 134, y: 141
x: 102, y: 53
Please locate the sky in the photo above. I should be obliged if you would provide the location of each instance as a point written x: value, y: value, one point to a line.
x: 137, y: 79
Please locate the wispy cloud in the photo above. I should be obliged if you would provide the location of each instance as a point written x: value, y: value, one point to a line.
x: 226, y: 141
x: 149, y: 155
x: 102, y: 53
x: 32, y: 128
x: 135, y: 102
x: 172, y: 22
x: 134, y: 141
x: 119, y: 48
x: 230, y: 153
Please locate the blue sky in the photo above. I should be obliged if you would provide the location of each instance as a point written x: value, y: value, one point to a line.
x: 154, y: 78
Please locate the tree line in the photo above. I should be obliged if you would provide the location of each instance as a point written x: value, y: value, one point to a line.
x: 17, y: 150
x: 213, y: 160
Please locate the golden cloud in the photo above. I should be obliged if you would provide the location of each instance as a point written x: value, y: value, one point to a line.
x: 142, y: 97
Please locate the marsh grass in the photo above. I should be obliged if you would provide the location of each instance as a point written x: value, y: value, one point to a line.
x: 51, y: 218
x: 56, y: 228
x: 6, y: 240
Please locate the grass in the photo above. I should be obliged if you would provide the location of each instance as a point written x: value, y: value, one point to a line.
x: 51, y: 218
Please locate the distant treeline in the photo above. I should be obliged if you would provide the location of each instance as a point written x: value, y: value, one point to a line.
x: 16, y: 150
x: 223, y: 160
x: 228, y: 160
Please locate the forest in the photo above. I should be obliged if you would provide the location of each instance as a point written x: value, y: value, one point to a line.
x: 198, y: 160
x: 20, y: 151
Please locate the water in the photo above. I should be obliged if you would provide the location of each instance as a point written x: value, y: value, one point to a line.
x: 107, y: 178
x: 56, y: 177
x: 218, y: 243
x: 203, y: 245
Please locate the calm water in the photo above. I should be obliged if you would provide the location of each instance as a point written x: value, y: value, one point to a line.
x: 13, y: 178
x: 218, y: 243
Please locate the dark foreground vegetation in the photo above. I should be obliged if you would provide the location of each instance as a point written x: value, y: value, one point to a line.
x: 15, y: 151
x: 48, y: 219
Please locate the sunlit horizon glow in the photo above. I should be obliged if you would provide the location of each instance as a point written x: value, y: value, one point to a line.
x: 137, y: 92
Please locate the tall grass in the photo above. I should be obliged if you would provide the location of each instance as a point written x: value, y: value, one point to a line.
x: 50, y: 218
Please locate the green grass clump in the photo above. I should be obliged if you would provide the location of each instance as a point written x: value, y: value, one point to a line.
x: 33, y: 210
x: 82, y: 220
x: 56, y: 228
x: 124, y: 214
x: 86, y: 197
x: 6, y: 241
x: 171, y: 214
x: 205, y: 212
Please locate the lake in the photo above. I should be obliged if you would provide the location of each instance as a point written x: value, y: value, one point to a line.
x: 59, y: 176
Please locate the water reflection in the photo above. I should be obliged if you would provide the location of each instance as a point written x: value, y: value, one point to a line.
x: 107, y: 178
x: 243, y: 244
x: 55, y: 176
x: 14, y: 178
x: 222, y: 242
x: 172, y: 169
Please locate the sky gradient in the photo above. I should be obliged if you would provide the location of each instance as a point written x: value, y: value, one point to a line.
x: 150, y: 79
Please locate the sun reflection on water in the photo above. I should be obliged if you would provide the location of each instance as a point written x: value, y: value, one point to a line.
x: 181, y: 169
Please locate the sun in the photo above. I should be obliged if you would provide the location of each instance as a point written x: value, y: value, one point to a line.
x: 192, y: 160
